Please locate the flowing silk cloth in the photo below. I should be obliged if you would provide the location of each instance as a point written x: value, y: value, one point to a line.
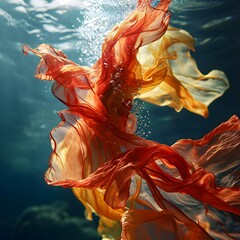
x: 142, y: 189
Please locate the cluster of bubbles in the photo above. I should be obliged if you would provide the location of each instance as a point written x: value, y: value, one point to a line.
x: 139, y: 108
x: 99, y: 17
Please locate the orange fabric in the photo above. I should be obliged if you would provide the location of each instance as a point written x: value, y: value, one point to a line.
x: 145, y: 224
x: 123, y: 178
x: 109, y: 223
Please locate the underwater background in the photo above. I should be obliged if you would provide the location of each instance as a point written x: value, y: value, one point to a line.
x: 29, y: 209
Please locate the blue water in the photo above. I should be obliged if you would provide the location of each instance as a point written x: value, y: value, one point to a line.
x: 28, y: 110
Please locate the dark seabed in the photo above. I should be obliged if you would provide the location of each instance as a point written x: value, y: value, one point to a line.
x: 29, y: 208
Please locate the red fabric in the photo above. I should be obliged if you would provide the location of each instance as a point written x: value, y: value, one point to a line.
x: 96, y: 152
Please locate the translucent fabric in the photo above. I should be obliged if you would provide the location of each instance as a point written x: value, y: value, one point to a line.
x: 140, y: 188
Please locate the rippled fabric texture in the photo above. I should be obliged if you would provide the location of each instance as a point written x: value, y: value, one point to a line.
x: 142, y: 189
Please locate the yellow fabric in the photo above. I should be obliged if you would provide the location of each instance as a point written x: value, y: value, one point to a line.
x: 171, y: 77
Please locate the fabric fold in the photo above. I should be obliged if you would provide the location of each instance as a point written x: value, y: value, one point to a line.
x: 140, y: 189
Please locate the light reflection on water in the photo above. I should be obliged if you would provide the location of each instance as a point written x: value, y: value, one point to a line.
x: 66, y: 24
x: 80, y: 26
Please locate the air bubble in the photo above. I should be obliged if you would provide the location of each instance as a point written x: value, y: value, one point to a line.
x: 143, y: 118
